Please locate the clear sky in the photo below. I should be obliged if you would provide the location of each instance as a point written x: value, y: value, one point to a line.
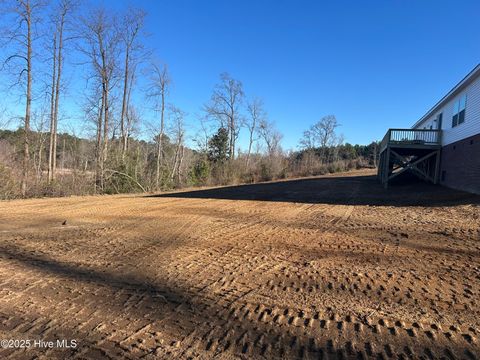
x: 373, y: 63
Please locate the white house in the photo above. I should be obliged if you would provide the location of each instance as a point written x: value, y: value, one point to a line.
x: 444, y: 145
x: 457, y: 115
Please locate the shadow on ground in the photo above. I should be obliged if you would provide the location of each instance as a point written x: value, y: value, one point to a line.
x: 254, y: 339
x: 338, y: 190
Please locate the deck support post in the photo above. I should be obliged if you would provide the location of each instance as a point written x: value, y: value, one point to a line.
x: 386, y: 168
x: 416, y: 150
x: 425, y: 172
x: 437, y: 167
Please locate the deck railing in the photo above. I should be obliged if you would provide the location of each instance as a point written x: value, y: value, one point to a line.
x: 411, y: 137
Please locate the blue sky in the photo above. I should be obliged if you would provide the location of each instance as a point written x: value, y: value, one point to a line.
x: 374, y: 63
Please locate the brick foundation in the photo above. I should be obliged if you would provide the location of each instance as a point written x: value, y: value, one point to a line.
x: 460, y: 165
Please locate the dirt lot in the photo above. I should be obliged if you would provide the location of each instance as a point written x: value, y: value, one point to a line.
x: 331, y: 267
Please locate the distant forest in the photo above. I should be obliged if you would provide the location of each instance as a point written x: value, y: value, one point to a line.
x: 75, y: 173
x: 38, y: 160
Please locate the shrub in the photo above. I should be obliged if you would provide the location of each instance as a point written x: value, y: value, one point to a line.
x: 8, y: 186
x: 199, y: 173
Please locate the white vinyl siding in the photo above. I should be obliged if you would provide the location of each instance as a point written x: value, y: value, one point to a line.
x: 471, y: 125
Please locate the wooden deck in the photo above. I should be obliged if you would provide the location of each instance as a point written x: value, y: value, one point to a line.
x: 415, y: 150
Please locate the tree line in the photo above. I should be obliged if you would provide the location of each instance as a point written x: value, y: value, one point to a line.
x: 43, y: 39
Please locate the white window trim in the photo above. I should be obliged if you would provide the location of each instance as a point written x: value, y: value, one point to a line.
x: 456, y: 104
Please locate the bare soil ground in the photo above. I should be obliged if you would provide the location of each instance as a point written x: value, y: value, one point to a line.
x: 329, y: 267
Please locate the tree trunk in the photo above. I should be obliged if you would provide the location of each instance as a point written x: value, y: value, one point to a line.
x: 98, y: 154
x: 160, y: 139
x: 26, y: 129
x: 137, y: 162
x: 63, y: 154
x: 232, y: 137
x: 40, y: 155
x: 124, y: 105
x: 157, y: 170
x: 105, y: 128
x: 252, y: 130
x: 52, y: 112
x: 180, y: 161
x: 175, y: 159
x: 57, y: 93
x: 41, y: 142
x: 129, y: 125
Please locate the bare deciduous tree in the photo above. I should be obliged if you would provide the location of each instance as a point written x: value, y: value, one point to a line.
x: 224, y: 106
x: 4, y: 120
x: 60, y: 18
x: 51, y: 148
x: 130, y: 28
x: 203, y: 135
x: 178, y: 135
x: 271, y: 136
x: 132, y: 122
x: 323, y: 133
x: 158, y: 90
x: 20, y: 35
x: 101, y: 40
x: 257, y: 115
x: 40, y: 138
x: 307, y: 142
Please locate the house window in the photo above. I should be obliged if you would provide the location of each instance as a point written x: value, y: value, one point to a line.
x: 458, y: 116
